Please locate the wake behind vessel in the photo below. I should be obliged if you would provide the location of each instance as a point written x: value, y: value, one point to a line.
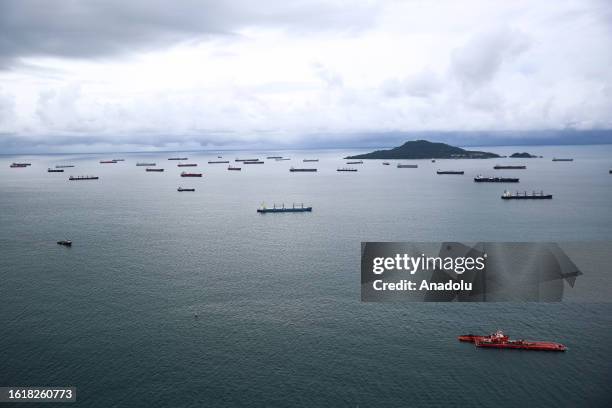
x: 502, y: 341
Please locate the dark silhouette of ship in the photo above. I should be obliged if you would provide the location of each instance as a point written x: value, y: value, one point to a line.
x: 450, y: 172
x: 283, y: 209
x: 185, y: 174
x: 55, y: 170
x: 157, y: 170
x: 78, y: 178
x: 294, y: 170
x: 481, y: 179
x: 346, y: 169
x: 509, y: 167
x: 533, y: 196
x: 181, y: 189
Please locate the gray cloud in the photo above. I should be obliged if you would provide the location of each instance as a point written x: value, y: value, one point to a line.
x: 98, y: 28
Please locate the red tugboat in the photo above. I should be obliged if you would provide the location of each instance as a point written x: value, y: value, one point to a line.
x: 500, y: 340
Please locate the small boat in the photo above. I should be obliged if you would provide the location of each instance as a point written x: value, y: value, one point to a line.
x: 177, y: 158
x: 156, y: 170
x: 562, y: 160
x: 407, y: 166
x: 187, y: 165
x: 355, y: 162
x: 63, y: 166
x: 283, y: 209
x: 185, y: 174
x: 433, y: 160
x: 450, y: 172
x: 218, y: 161
x: 253, y: 162
x: 386, y: 163
x: 481, y: 179
x: 107, y: 162
x: 77, y: 178
x: 55, y: 170
x: 533, y: 196
x: 502, y: 167
x: 181, y: 189
x: 65, y: 243
x: 346, y: 169
x: 296, y: 170
x: 310, y: 160
x: 234, y: 168
x: 146, y: 164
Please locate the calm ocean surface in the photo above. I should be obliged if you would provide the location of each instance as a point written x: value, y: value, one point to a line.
x: 279, y: 320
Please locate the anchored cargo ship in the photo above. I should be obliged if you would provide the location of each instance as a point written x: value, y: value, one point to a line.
x: 157, y: 170
x: 20, y: 165
x: 283, y: 159
x: 510, y: 167
x: 481, y: 179
x: 533, y: 196
x: 274, y: 157
x: 502, y: 341
x: 283, y: 209
x: 185, y: 174
x: 246, y: 160
x: 218, y: 161
x: 62, y: 166
x: 407, y: 166
x: 346, y: 169
x: 556, y: 159
x: 386, y: 163
x: 355, y: 162
x: 178, y: 158
x: 187, y: 165
x: 65, y: 242
x: 253, y: 162
x: 450, y: 172
x: 55, y: 170
x: 181, y: 189
x: 293, y: 170
x: 77, y: 178
x: 310, y: 160
x: 234, y: 168
x: 146, y: 164
x: 108, y: 161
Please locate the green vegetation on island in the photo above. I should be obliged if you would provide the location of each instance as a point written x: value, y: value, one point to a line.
x: 423, y: 149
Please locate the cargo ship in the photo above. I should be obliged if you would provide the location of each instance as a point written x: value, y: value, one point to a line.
x: 450, y: 172
x: 63, y: 166
x: 246, y: 160
x: 178, y: 158
x: 283, y: 159
x: 107, y: 162
x: 234, y: 168
x: 355, y: 162
x: 556, y: 159
x: 274, y: 157
x: 185, y: 174
x: 533, y: 196
x: 146, y: 164
x: 187, y: 165
x: 218, y: 161
x: 283, y: 209
x: 407, y: 166
x: 181, y: 189
x: 293, y: 170
x: 253, y: 162
x: 501, y: 341
x: 510, y: 167
x: 346, y: 169
x: 20, y: 165
x: 118, y: 160
x: 64, y: 242
x: 77, y: 178
x: 481, y: 179
x: 386, y: 163
x: 55, y: 170
x: 157, y: 170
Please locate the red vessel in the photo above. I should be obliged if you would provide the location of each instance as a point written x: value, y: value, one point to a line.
x: 500, y: 340
x: 185, y: 174
x: 108, y: 161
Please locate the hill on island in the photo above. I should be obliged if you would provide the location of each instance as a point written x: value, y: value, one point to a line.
x: 423, y: 149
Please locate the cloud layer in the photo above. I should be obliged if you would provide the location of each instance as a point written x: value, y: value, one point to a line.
x: 148, y: 74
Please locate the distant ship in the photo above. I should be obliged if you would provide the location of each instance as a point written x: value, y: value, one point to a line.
x: 346, y: 169
x: 218, y: 161
x: 253, y: 162
x: 62, y: 166
x: 185, y: 174
x: 533, y: 196
x: 181, y: 189
x: 500, y: 167
x: 433, y: 160
x: 450, y: 172
x: 481, y: 179
x: 65, y: 242
x: 274, y: 157
x: 407, y: 166
x: 310, y: 160
x: 107, y: 161
x: 55, y: 170
x: 157, y: 170
x: 355, y: 162
x: 146, y: 164
x: 386, y: 163
x: 283, y: 159
x: 293, y: 170
x: 187, y: 165
x: 20, y: 165
x: 502, y: 341
x: 246, y: 160
x: 234, y: 168
x: 556, y: 159
x: 118, y: 160
x: 284, y: 209
x: 77, y: 178
x: 178, y: 158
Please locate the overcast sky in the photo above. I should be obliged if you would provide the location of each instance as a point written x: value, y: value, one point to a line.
x: 79, y: 75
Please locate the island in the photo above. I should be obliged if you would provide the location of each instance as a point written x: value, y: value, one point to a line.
x: 423, y: 149
x: 523, y: 155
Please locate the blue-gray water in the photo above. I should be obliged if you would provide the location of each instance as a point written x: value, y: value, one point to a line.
x: 279, y: 321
